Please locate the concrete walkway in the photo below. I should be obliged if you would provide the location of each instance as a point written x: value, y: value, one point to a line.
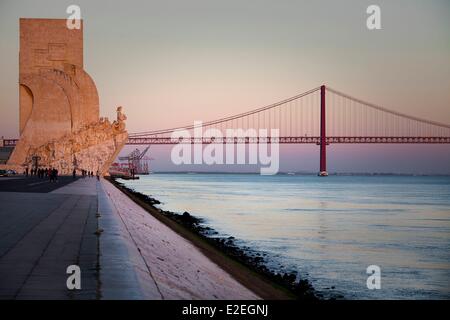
x: 122, y: 251
x: 41, y: 234
x: 32, y: 184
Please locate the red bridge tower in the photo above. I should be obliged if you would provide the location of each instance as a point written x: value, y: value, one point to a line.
x: 323, y: 138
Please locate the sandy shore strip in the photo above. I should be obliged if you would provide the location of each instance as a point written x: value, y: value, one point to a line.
x: 179, y: 269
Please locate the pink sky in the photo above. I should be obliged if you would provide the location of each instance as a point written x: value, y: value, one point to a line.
x: 170, y: 63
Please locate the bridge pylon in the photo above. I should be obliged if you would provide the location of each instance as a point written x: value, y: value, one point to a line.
x: 323, y: 138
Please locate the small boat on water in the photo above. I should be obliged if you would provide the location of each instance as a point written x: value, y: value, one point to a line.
x: 130, y: 177
x: 122, y: 174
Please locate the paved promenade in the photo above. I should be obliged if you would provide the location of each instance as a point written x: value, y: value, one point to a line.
x: 122, y: 251
x: 41, y: 234
x: 31, y: 184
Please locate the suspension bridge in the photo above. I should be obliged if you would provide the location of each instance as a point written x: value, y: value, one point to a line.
x: 319, y: 116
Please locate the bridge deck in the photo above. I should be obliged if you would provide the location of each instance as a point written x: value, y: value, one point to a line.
x: 288, y: 140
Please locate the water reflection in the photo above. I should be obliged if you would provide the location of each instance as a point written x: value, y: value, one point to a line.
x: 330, y: 229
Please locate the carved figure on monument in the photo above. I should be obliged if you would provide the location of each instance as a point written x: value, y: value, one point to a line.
x: 119, y: 124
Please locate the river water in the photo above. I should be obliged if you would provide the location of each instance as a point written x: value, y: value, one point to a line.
x: 329, y: 230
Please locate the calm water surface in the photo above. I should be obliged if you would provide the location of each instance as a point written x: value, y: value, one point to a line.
x: 330, y: 229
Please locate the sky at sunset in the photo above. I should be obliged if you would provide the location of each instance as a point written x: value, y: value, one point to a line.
x: 169, y: 63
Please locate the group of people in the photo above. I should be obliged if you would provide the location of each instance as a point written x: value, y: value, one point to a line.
x: 41, y: 173
x: 52, y: 173
x: 86, y: 173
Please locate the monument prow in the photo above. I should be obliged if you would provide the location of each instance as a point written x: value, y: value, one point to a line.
x: 59, y: 120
